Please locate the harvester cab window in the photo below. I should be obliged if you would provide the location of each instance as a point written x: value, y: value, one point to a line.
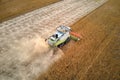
x: 56, y: 35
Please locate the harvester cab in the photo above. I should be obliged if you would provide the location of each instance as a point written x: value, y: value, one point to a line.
x: 60, y: 37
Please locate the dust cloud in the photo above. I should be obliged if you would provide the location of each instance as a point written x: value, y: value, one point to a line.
x: 28, y: 59
x: 33, y: 48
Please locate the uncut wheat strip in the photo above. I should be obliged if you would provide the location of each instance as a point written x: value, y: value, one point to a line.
x: 24, y: 20
x: 41, y: 11
x: 33, y: 24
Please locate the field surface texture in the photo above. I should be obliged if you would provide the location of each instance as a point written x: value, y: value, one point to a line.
x: 24, y: 55
x: 12, y: 8
x: 97, y: 55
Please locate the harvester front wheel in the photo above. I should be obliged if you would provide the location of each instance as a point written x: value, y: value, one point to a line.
x: 67, y: 40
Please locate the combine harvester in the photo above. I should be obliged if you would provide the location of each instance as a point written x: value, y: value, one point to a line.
x: 62, y: 36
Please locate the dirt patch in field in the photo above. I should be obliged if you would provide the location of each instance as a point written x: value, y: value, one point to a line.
x: 96, y: 56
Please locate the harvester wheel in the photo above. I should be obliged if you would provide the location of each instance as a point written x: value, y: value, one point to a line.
x: 62, y: 44
x: 67, y: 40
